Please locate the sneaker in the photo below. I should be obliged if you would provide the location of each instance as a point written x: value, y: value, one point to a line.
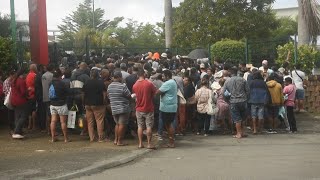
x: 205, y: 135
x: 288, y: 129
x: 160, y: 138
x: 198, y: 133
x: 17, y: 136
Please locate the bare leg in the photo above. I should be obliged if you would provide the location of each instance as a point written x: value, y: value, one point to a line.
x: 116, y: 134
x: 121, y: 131
x: 170, y: 130
x: 239, y: 130
x: 53, y: 127
x: 254, y: 126
x: 63, y: 120
x: 30, y: 122
x: 149, y: 137
x: 140, y: 136
x: 34, y: 120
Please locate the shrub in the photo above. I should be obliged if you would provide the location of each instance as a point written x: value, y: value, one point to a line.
x: 6, y: 55
x: 228, y: 51
x: 307, y: 56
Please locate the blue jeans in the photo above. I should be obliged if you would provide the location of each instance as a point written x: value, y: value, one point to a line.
x: 161, y: 125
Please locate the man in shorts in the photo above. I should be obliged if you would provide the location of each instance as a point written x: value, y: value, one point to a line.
x: 144, y: 91
x: 120, y: 97
x: 168, y: 104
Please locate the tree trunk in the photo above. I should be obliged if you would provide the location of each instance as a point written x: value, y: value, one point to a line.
x: 168, y: 22
x: 303, y: 29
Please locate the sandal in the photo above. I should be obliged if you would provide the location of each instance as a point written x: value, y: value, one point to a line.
x: 122, y: 144
x: 151, y: 147
x: 168, y: 146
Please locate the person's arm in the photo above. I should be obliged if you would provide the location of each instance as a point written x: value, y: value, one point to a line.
x: 126, y: 92
x: 247, y: 89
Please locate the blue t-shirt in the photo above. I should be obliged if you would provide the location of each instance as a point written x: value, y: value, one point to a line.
x: 169, y: 100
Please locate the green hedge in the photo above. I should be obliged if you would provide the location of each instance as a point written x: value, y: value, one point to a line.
x: 228, y: 51
x: 6, y: 55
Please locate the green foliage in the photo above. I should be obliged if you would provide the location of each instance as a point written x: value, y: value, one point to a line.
x: 5, y: 25
x: 82, y: 19
x: 6, y: 55
x: 307, y: 56
x: 228, y: 51
x: 286, y: 27
x: 205, y: 21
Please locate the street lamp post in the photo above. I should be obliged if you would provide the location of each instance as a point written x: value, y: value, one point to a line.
x: 93, y: 15
x: 13, y: 27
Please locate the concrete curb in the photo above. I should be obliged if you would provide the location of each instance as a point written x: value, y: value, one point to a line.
x: 104, y: 165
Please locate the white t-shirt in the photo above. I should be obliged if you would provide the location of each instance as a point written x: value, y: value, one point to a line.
x: 297, y: 80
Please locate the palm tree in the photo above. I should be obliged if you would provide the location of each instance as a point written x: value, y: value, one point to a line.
x: 308, y: 21
x: 168, y: 22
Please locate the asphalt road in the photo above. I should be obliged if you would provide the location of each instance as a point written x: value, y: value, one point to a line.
x: 276, y: 156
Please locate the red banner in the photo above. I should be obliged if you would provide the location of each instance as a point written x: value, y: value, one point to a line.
x: 38, y: 31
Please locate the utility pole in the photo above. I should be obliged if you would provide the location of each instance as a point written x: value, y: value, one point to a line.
x: 93, y: 15
x: 168, y: 22
x: 13, y: 27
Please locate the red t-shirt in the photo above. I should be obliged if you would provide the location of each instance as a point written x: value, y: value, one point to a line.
x: 30, y: 82
x: 145, y: 92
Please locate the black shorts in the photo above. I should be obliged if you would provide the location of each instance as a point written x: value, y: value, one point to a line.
x: 168, y: 118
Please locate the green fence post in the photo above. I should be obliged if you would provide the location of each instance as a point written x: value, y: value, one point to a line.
x: 247, y: 51
x: 295, y: 49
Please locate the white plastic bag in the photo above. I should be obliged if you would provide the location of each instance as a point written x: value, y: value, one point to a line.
x: 72, y: 115
x: 7, y: 101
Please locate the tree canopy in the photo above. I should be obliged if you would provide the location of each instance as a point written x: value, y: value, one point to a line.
x: 205, y: 21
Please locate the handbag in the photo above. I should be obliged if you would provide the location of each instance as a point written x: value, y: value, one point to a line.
x: 192, y: 100
x: 7, y: 101
x: 72, y: 116
x: 212, y: 108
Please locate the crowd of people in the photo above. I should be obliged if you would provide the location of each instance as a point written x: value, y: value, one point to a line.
x: 140, y: 94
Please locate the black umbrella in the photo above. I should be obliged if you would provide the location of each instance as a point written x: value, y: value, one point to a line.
x: 198, y: 54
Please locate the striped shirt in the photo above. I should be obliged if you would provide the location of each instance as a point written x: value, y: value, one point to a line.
x: 119, y: 96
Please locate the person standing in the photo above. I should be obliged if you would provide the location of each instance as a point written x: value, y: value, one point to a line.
x: 94, y: 102
x: 289, y: 92
x: 6, y: 89
x: 46, y: 81
x: 258, y: 99
x: 299, y: 78
x: 202, y: 97
x: 144, y: 91
x: 30, y: 81
x: 168, y: 104
x: 19, y: 102
x: 237, y: 91
x: 58, y: 92
x: 276, y: 97
x: 120, y: 97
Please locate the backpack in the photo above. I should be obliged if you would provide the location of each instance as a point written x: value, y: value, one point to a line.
x: 52, y: 92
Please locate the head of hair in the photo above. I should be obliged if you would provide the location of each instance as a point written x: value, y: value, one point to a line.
x: 167, y: 74
x: 233, y: 71
x: 271, y: 77
x: 94, y: 74
x: 288, y: 80
x: 67, y: 74
x: 57, y: 73
x: 117, y: 74
x: 33, y: 67
x: 298, y: 66
x: 257, y: 75
x: 222, y: 81
x: 50, y: 67
x: 141, y: 73
x: 204, y: 82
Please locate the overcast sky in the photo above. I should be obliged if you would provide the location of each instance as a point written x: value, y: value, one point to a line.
x: 141, y: 10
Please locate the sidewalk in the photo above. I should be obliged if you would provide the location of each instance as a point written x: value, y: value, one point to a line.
x: 37, y: 158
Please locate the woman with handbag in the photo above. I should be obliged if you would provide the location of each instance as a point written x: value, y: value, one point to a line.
x: 203, y: 96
